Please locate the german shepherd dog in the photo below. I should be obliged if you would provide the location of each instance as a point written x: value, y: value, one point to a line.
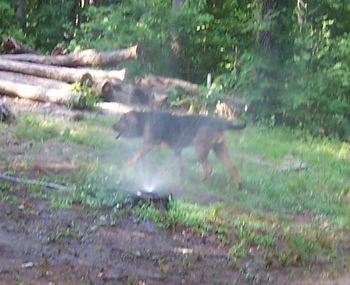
x: 177, y: 132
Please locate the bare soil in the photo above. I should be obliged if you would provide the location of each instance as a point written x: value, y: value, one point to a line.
x: 41, y: 245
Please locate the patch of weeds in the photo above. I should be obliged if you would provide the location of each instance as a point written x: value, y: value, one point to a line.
x: 5, y: 187
x: 11, y: 199
x: 38, y: 191
x: 117, y: 215
x: 89, y: 132
x: 255, y: 236
x: 67, y: 233
x: 93, y: 188
x: 131, y: 280
x: 238, y: 251
x: 305, y: 245
x: 36, y: 129
x: 86, y: 97
x: 61, y: 201
x: 222, y: 234
x: 183, y: 214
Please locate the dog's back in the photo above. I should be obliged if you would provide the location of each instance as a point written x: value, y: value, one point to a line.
x: 179, y: 131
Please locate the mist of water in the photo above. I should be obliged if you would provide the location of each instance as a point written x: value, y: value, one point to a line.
x: 152, y: 174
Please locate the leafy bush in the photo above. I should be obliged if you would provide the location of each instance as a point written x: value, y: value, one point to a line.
x: 87, y: 97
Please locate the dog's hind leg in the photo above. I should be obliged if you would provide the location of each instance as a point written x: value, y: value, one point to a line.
x: 202, y: 153
x: 221, y: 151
x: 179, y: 162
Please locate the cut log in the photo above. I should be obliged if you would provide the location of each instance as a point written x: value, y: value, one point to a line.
x: 34, y: 80
x: 10, y: 45
x: 67, y: 74
x: 37, y: 93
x: 83, y: 58
x: 167, y: 83
x: 125, y: 93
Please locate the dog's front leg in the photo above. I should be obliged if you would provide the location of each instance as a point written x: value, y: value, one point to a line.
x: 141, y: 152
x: 179, y: 163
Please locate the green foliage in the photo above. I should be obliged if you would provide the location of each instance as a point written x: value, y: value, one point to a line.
x: 318, y: 89
x: 179, y: 214
x: 50, y: 23
x: 94, y: 188
x: 7, y: 20
x: 43, y: 128
x: 86, y: 98
x: 8, y: 25
x: 36, y: 129
x: 304, y: 84
x: 184, y: 42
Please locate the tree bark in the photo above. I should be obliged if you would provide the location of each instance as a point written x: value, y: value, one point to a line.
x: 167, y: 82
x: 83, y: 58
x: 66, y: 74
x: 10, y: 45
x: 20, y: 10
x: 265, y: 38
x: 37, y: 93
x: 34, y: 80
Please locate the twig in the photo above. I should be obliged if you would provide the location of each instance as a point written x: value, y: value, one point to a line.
x: 18, y: 180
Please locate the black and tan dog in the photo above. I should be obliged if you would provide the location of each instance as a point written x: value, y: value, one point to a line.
x: 178, y: 132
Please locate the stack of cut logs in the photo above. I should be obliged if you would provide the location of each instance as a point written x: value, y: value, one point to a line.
x: 26, y: 74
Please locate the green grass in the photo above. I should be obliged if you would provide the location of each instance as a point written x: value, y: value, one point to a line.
x: 289, y: 216
x: 93, y: 131
x: 323, y: 189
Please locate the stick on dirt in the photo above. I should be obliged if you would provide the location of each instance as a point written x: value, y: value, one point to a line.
x: 18, y: 180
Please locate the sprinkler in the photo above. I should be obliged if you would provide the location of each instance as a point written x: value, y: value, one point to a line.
x: 158, y: 200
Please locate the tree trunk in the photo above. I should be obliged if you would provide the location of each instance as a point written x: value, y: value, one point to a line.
x: 37, y: 93
x: 34, y: 80
x: 10, y: 45
x: 83, y: 58
x: 66, y: 74
x: 175, y: 46
x: 265, y: 39
x: 168, y: 83
x: 20, y: 13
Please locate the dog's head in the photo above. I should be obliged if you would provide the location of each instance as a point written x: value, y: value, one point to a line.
x: 128, y: 125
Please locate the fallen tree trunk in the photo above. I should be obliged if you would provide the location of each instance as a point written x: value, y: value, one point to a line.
x: 34, y: 80
x: 101, y: 87
x: 37, y: 93
x: 10, y: 45
x: 167, y: 82
x: 83, y: 58
x: 67, y: 74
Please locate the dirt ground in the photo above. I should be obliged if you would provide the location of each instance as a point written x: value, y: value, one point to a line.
x: 41, y: 245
